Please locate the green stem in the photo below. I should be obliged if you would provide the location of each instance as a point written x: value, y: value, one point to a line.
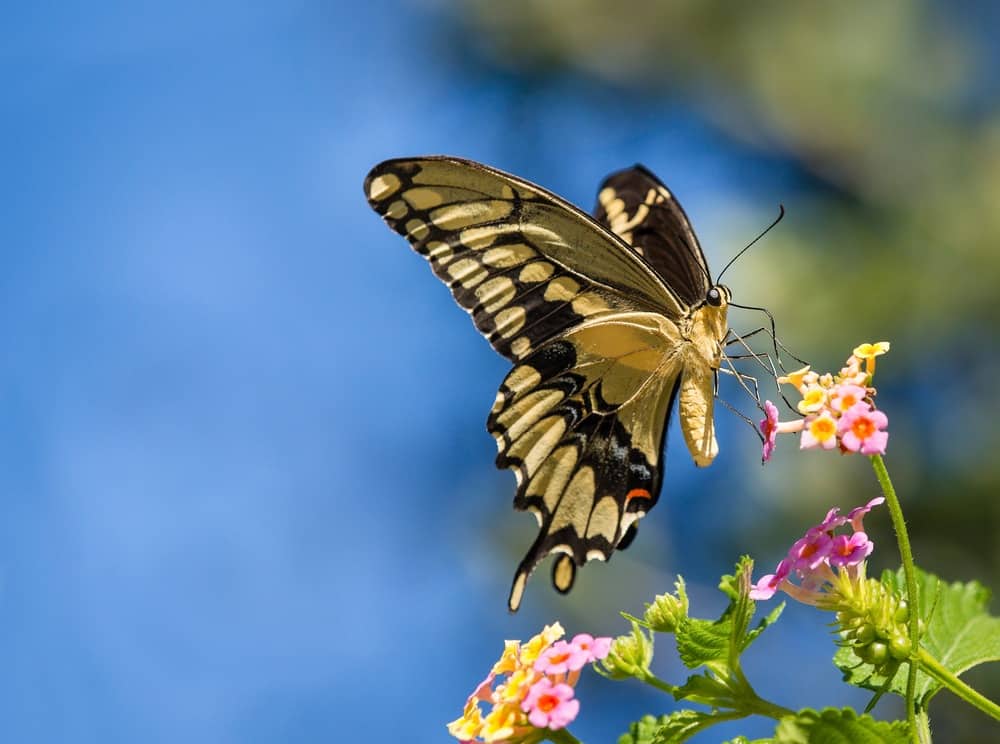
x: 934, y: 668
x: 910, y: 573
x: 653, y: 681
x: 762, y: 707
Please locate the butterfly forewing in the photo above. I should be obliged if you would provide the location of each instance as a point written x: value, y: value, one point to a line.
x: 637, y: 207
x: 525, y: 264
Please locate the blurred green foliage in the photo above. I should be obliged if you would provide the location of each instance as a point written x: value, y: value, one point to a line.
x: 888, y: 110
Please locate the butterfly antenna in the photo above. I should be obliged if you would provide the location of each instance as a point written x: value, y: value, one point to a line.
x: 781, y: 213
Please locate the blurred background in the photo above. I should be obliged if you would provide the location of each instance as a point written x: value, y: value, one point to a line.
x: 248, y: 495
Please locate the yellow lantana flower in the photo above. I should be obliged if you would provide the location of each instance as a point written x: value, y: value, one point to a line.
x: 470, y: 724
x: 500, y: 723
x: 813, y: 399
x: 533, y: 648
x: 799, y: 378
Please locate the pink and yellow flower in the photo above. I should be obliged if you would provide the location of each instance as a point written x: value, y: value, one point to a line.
x: 550, y: 705
x: 819, y: 431
x: 860, y: 430
x: 845, y: 396
x: 529, y: 687
x: 838, y: 409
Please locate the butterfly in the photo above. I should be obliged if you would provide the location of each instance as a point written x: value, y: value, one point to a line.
x: 606, y: 319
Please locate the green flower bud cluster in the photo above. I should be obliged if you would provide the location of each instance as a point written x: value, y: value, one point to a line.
x: 877, y: 631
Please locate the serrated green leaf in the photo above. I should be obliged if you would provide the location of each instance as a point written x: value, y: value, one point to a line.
x: 959, y: 633
x: 643, y: 730
x: 682, y: 725
x: 703, y: 641
x: 744, y: 740
x: 838, y: 726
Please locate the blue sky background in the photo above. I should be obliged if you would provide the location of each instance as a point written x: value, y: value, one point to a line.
x: 248, y: 495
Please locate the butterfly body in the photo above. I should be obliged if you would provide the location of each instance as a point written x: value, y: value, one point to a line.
x: 607, y: 319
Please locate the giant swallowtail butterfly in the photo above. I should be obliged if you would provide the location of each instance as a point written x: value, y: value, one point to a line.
x: 607, y: 320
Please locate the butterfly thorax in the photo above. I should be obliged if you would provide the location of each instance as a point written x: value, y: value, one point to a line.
x: 705, y: 326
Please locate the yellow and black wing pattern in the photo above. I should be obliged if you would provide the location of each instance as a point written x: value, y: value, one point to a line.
x: 525, y: 264
x: 590, y: 326
x: 635, y: 205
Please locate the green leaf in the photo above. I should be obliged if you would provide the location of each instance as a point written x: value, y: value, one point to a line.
x: 702, y: 642
x: 702, y: 688
x: 959, y: 633
x: 770, y: 619
x: 643, y: 730
x: 838, y: 726
x: 684, y: 724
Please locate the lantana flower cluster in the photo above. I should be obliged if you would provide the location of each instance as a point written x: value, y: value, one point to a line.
x: 838, y: 410
x: 822, y: 560
x: 529, y: 688
x: 830, y: 570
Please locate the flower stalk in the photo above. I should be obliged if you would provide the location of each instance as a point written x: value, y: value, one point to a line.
x: 935, y: 669
x: 910, y: 574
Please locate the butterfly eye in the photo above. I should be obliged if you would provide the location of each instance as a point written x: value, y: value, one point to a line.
x: 714, y: 297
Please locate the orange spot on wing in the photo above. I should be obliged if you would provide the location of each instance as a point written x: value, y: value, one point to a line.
x: 637, y: 493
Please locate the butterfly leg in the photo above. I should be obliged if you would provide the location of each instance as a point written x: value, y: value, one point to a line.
x: 758, y: 357
x: 745, y: 418
x: 771, y: 333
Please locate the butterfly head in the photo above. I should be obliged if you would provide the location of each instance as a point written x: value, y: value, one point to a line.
x: 718, y: 296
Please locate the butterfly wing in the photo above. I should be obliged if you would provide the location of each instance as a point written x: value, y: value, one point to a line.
x: 636, y: 206
x: 524, y: 263
x: 592, y: 330
x: 581, y: 422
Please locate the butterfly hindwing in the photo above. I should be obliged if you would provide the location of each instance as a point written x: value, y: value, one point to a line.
x: 525, y: 264
x: 635, y: 205
x: 581, y: 422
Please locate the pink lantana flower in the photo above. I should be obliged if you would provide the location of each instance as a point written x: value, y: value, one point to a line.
x: 832, y: 521
x: 768, y: 584
x: 843, y: 397
x: 595, y: 648
x: 562, y: 657
x: 769, y: 428
x: 857, y: 514
x: 824, y: 564
x: 850, y: 551
x: 810, y: 550
x: 550, y: 705
x: 860, y: 430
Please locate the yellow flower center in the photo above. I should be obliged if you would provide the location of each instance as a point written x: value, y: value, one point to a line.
x: 823, y: 428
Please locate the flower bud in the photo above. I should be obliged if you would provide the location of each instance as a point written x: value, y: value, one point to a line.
x: 667, y: 610
x: 630, y: 655
x: 900, y: 647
